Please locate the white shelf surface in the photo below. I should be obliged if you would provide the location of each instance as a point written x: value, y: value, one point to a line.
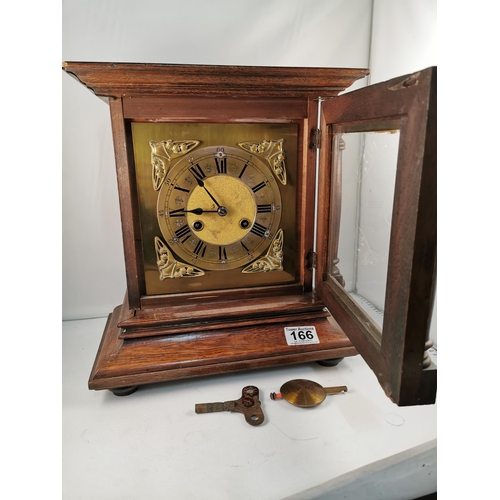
x: 153, y: 445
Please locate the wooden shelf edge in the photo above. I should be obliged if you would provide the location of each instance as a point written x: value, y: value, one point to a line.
x: 122, y: 363
x: 228, y: 367
x: 110, y: 79
x: 218, y: 315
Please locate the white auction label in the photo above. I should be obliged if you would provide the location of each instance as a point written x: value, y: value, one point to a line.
x: 300, y: 335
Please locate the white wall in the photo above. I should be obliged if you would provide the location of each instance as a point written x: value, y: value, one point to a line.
x: 334, y: 33
x: 404, y: 40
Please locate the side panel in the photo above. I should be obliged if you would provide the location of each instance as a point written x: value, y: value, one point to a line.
x: 128, y: 203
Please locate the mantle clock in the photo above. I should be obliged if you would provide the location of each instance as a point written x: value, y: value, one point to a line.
x: 230, y: 189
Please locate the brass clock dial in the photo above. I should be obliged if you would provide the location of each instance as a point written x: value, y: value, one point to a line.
x: 219, y: 208
x: 217, y: 204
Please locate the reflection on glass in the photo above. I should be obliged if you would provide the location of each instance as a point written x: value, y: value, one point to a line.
x: 368, y: 167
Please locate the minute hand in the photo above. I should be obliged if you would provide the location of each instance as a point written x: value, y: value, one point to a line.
x: 202, y: 184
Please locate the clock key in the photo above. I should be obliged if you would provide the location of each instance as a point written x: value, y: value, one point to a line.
x: 248, y: 404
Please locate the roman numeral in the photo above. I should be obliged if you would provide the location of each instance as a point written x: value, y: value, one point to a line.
x: 244, y: 246
x: 258, y: 187
x: 197, y: 171
x: 177, y: 213
x: 181, y: 189
x: 200, y: 248
x: 183, y: 231
x: 222, y: 253
x: 243, y: 171
x: 259, y: 230
x: 221, y: 165
x: 263, y: 209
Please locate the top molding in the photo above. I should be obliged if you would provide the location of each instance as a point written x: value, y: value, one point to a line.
x: 134, y: 79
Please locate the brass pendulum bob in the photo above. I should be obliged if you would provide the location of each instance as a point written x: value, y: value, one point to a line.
x: 305, y: 393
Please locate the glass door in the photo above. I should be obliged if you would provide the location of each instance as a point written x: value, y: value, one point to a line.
x: 377, y: 254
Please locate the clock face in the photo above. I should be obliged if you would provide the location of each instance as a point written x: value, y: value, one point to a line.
x: 217, y: 205
x: 219, y: 208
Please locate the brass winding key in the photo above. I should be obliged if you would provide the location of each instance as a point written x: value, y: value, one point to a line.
x: 248, y: 404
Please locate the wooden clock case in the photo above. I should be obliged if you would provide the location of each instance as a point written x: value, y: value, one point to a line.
x: 154, y: 338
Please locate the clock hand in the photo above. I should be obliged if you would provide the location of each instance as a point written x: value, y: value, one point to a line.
x: 202, y: 184
x: 200, y: 211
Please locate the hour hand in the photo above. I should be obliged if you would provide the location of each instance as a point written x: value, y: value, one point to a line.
x: 200, y: 211
x: 197, y: 211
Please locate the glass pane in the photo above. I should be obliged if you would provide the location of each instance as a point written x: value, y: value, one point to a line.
x: 368, y: 172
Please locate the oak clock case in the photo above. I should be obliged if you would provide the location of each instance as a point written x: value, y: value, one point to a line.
x: 224, y: 250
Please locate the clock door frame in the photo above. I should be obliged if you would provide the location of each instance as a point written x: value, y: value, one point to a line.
x: 395, y: 353
x: 216, y: 110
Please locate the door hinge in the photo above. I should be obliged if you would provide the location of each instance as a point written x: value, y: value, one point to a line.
x: 312, y: 259
x: 315, y: 139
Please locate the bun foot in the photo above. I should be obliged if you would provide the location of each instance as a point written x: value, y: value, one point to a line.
x: 124, y: 391
x: 329, y: 362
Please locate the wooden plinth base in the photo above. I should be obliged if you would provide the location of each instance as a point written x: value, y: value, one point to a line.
x: 122, y: 363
